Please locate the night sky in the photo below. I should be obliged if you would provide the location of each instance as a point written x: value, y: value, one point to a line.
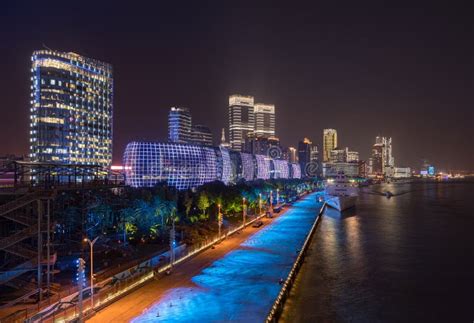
x: 397, y: 70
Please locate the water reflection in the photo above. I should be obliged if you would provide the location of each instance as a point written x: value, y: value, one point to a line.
x: 407, y: 258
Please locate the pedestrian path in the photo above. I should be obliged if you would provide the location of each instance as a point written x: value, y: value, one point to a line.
x: 242, y: 285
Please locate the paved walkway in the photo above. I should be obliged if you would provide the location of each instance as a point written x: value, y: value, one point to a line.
x: 238, y: 280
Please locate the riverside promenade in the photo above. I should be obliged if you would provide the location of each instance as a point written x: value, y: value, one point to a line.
x: 237, y: 281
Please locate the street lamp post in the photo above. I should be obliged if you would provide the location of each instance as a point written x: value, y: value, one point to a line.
x: 219, y: 219
x: 271, y: 199
x: 278, y: 196
x: 244, y: 212
x: 260, y: 203
x: 91, y: 245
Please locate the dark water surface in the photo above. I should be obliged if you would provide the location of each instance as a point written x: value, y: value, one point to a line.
x: 405, y: 259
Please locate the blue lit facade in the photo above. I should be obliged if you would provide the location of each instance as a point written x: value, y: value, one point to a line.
x: 71, y: 109
x: 188, y: 166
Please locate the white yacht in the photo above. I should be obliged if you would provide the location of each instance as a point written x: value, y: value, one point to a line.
x: 340, y: 193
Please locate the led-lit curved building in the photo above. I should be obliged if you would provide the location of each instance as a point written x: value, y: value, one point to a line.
x: 188, y: 166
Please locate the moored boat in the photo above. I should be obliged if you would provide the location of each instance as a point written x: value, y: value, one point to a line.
x: 340, y: 193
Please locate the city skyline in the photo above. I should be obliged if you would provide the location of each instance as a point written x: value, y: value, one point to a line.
x: 391, y: 106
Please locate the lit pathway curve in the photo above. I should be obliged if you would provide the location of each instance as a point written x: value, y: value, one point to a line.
x: 240, y: 286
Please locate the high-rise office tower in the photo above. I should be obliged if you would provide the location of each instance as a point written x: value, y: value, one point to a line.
x: 71, y: 109
x: 179, y: 125
x: 329, y: 143
x: 292, y: 157
x: 264, y: 120
x: 304, y: 153
x: 241, y: 120
x: 383, y: 151
x: 201, y: 135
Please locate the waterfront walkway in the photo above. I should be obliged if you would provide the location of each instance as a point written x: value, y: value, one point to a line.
x: 238, y: 280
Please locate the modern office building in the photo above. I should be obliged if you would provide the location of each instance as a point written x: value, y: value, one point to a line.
x: 241, y: 120
x: 292, y: 156
x: 338, y: 155
x: 363, y: 168
x: 382, y: 159
x: 402, y: 172
x: 71, y: 109
x: 329, y: 143
x: 185, y: 166
x: 201, y: 135
x: 179, y: 125
x: 378, y: 160
x: 260, y: 145
x: 352, y: 156
x: 264, y: 120
x: 304, y: 152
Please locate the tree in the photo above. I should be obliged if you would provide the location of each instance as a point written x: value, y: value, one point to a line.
x: 203, y: 203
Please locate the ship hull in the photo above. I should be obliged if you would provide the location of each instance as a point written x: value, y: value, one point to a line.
x: 341, y: 203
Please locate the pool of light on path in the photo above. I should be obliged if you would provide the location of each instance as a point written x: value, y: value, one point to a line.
x: 242, y: 285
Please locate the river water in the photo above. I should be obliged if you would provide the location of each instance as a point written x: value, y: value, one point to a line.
x: 409, y: 258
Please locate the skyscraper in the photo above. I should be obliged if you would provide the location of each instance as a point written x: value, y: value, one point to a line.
x: 71, y: 109
x: 304, y: 153
x: 292, y: 158
x: 201, y: 135
x: 264, y: 120
x: 241, y: 120
x: 329, y: 143
x: 383, y: 161
x: 179, y: 125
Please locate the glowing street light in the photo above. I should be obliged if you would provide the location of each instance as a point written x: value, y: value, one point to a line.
x: 278, y: 196
x: 260, y: 203
x: 91, y: 244
x: 244, y: 211
x: 219, y: 218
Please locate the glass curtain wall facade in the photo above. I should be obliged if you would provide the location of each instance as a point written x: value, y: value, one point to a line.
x: 179, y: 125
x: 329, y: 143
x: 186, y: 166
x: 264, y: 120
x: 241, y: 120
x: 71, y: 109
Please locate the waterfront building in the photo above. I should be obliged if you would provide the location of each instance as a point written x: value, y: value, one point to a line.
x: 201, y: 135
x: 313, y: 154
x: 292, y: 157
x: 186, y: 166
x: 378, y: 161
x: 264, y: 120
x: 363, y: 168
x: 383, y: 161
x: 261, y: 145
x: 71, y: 109
x: 352, y: 156
x: 241, y: 120
x: 304, y: 152
x: 402, y: 172
x: 329, y: 143
x: 179, y: 125
x: 338, y: 155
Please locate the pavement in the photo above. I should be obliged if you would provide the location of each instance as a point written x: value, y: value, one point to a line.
x: 141, y: 299
x: 237, y: 281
